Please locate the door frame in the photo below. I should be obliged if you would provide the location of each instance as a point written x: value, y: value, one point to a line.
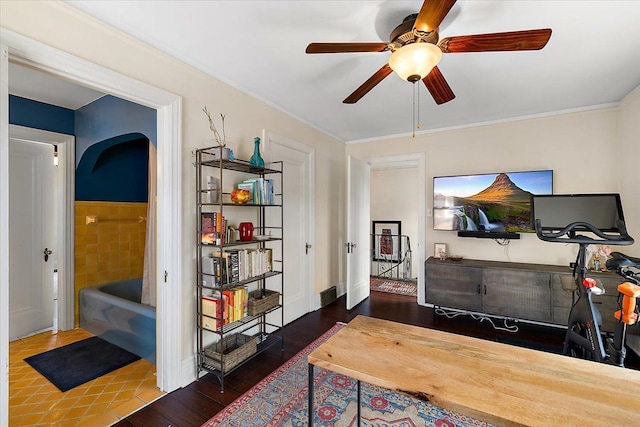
x: 28, y: 52
x: 410, y: 161
x: 270, y: 139
x: 65, y: 225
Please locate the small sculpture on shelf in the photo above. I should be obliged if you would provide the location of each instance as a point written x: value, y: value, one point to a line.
x: 240, y: 196
x: 246, y: 231
x: 256, y: 159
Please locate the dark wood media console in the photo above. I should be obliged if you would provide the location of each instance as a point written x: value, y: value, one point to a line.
x: 528, y: 292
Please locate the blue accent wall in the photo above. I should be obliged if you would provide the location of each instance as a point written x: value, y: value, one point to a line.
x: 38, y: 115
x: 116, y: 170
x: 109, y: 117
x: 112, y: 150
x: 112, y: 143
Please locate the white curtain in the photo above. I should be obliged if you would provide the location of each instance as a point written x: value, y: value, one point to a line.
x: 149, y: 269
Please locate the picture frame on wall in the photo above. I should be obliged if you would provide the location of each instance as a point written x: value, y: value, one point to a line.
x: 387, y: 246
x: 440, y: 250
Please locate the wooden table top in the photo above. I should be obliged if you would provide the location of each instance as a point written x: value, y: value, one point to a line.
x: 494, y: 382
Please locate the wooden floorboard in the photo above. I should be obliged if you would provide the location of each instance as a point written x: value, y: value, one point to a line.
x: 198, y: 402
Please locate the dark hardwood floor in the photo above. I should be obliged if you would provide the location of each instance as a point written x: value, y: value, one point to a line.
x: 198, y: 402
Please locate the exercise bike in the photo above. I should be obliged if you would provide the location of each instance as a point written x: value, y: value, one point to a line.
x: 601, y: 217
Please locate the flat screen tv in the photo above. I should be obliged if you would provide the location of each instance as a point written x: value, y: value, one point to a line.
x: 496, y: 202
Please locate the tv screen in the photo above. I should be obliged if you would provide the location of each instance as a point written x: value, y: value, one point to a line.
x: 558, y: 211
x: 499, y: 202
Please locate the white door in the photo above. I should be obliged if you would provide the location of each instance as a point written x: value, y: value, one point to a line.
x: 358, y: 241
x: 297, y: 211
x: 31, y: 233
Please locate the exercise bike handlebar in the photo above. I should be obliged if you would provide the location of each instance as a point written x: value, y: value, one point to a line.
x: 569, y: 234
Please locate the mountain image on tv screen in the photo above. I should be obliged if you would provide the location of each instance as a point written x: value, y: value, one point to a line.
x: 499, y: 202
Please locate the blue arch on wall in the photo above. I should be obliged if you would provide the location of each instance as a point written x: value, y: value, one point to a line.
x: 115, y: 170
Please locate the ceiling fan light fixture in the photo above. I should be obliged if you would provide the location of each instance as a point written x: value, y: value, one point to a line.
x: 414, y: 61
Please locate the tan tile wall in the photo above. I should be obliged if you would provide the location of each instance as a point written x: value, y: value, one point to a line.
x: 111, y: 249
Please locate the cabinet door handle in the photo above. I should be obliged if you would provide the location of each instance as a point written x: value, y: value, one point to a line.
x: 485, y: 289
x: 478, y: 289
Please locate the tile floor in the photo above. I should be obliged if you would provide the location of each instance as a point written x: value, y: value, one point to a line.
x: 34, y: 401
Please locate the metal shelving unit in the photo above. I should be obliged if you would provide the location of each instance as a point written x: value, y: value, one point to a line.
x: 262, y: 327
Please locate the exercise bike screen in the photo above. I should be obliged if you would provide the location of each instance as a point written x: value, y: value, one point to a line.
x: 555, y: 212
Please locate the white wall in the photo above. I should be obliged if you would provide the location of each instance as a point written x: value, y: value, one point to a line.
x: 627, y: 159
x: 392, y: 199
x: 69, y: 30
x: 583, y: 149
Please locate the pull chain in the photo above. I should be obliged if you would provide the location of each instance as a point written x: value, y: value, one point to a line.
x: 418, y: 96
x: 414, y: 111
x: 416, y: 108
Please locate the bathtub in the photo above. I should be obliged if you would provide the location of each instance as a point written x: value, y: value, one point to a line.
x: 113, y: 312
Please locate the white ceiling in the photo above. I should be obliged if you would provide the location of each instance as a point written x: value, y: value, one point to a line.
x: 592, y: 58
x: 33, y: 84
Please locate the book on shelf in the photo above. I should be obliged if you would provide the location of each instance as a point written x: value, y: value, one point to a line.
x: 228, y: 312
x: 236, y: 304
x: 212, y: 316
x: 261, y: 190
x: 214, y: 271
x: 213, y: 228
x: 233, y: 266
x: 248, y: 186
x: 212, y: 194
x: 208, y: 272
x: 246, y: 263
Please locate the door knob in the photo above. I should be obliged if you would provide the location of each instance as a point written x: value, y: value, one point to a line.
x: 47, y: 252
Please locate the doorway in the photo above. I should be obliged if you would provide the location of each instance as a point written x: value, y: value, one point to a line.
x: 29, y: 52
x: 414, y: 161
x: 394, y: 230
x: 399, y: 194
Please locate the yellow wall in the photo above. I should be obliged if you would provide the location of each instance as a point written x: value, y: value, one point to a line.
x: 110, y: 249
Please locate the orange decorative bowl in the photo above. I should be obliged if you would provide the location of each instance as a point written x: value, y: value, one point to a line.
x: 240, y: 197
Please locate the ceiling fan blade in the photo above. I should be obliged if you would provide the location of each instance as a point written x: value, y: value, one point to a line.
x: 514, y: 40
x: 432, y: 13
x: 368, y: 85
x: 346, y: 47
x: 438, y: 86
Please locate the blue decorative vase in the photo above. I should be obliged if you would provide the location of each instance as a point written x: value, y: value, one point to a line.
x: 256, y: 159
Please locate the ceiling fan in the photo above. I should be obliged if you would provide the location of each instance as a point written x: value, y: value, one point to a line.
x: 416, y: 49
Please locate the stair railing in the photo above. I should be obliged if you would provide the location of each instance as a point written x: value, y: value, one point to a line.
x: 391, y: 256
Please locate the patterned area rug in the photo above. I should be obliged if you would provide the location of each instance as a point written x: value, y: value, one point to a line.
x: 281, y: 400
x: 401, y: 287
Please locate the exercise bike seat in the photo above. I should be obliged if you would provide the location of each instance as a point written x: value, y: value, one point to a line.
x: 619, y: 260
